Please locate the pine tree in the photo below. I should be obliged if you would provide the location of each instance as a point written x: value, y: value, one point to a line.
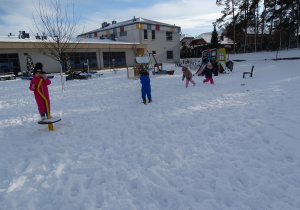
x: 30, y: 65
x: 69, y: 67
x: 214, y: 38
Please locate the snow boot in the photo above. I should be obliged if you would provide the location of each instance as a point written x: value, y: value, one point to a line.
x: 144, y: 101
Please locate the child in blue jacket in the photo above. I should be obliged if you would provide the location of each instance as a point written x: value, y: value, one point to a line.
x: 146, y: 87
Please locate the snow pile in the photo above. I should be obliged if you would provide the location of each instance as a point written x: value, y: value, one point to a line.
x: 232, y: 145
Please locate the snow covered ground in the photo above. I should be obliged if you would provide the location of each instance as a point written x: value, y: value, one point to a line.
x: 211, y: 147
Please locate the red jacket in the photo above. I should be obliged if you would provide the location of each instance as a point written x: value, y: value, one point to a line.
x: 44, y: 90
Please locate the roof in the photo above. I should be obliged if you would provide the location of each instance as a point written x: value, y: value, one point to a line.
x: 129, y: 22
x: 205, y: 38
x: 33, y: 39
x: 186, y: 36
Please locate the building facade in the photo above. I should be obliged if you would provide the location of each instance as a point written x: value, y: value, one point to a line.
x: 163, y: 40
x: 101, y: 54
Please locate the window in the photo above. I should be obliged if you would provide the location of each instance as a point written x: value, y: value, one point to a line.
x: 77, y: 59
x: 145, y: 34
x: 169, y: 35
x: 153, y: 34
x: 119, y: 57
x: 169, y: 54
x: 124, y: 33
x: 9, y: 63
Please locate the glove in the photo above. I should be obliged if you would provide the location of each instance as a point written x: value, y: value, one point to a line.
x: 182, y: 79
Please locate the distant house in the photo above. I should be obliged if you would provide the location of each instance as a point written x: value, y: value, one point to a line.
x: 204, y: 39
x: 185, y: 40
x: 162, y: 39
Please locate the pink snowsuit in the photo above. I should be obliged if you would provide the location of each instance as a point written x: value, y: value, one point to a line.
x: 44, y: 90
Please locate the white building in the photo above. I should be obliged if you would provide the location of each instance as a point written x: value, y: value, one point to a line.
x: 162, y: 39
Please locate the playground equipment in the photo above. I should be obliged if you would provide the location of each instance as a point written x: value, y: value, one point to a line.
x: 223, y: 64
x: 158, y: 67
x: 143, y: 63
x: 218, y: 56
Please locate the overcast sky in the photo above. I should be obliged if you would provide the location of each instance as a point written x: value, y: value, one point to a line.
x: 193, y: 16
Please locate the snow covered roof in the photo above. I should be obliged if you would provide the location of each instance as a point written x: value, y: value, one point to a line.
x: 186, y: 36
x: 13, y: 38
x: 206, y: 37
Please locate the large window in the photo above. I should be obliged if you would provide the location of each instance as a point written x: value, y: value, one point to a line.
x: 153, y: 34
x: 145, y: 34
x: 169, y: 54
x: 9, y: 63
x: 118, y: 58
x: 169, y: 35
x: 79, y: 58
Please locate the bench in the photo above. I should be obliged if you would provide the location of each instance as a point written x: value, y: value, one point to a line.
x: 4, y: 77
x: 248, y: 72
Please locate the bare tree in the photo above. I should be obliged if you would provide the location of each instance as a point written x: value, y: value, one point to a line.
x: 227, y: 11
x: 57, y: 27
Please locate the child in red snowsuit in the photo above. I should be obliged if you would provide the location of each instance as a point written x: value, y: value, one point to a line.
x: 40, y: 74
x: 208, y: 70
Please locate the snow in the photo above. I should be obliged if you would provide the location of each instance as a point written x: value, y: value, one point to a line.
x: 223, y: 146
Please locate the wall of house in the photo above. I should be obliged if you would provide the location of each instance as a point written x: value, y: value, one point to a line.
x: 53, y: 66
x: 160, y: 45
x: 50, y: 65
x: 135, y: 34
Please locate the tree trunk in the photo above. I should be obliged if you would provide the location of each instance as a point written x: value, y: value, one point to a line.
x: 232, y: 1
x: 298, y: 25
x: 263, y: 16
x: 246, y: 25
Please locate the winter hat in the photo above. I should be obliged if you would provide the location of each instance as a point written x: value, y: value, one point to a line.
x: 38, y: 68
x: 183, y: 68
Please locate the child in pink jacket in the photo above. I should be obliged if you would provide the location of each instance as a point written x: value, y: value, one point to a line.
x: 186, y: 73
x: 40, y: 74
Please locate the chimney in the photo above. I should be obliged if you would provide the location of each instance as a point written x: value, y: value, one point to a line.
x: 44, y: 36
x: 23, y: 35
x: 113, y: 22
x: 37, y: 36
x: 105, y: 24
x: 134, y: 19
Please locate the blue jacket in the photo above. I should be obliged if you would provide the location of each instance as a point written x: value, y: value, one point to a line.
x: 145, y: 80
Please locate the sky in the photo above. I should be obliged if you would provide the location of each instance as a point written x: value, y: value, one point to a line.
x: 233, y: 145
x: 193, y: 16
